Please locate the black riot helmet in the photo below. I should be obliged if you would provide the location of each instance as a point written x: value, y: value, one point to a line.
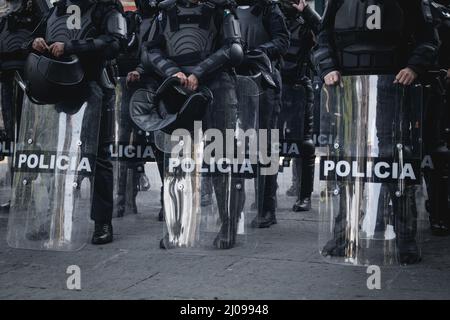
x: 9, y: 6
x: 147, y: 7
x: 50, y: 81
x: 170, y: 107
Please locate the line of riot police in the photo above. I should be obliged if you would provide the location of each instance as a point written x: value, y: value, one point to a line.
x: 95, y: 82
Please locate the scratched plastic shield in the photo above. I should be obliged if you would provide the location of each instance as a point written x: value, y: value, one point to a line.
x: 371, y: 198
x: 54, y: 174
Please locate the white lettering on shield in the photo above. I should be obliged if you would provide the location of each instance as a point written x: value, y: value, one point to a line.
x: 52, y: 162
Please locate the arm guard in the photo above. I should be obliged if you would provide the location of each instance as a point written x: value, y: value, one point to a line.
x: 324, y: 55
x: 109, y: 43
x: 231, y: 52
x: 425, y: 53
x: 275, y: 24
x: 312, y: 18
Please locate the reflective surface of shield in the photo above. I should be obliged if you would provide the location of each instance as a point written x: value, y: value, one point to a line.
x: 10, y: 98
x: 54, y: 174
x: 130, y: 152
x: 210, y: 180
x: 5, y: 153
x: 371, y: 198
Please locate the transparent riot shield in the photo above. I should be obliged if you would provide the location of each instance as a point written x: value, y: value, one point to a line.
x: 5, y: 151
x: 130, y: 153
x: 54, y: 167
x: 210, y: 174
x: 370, y: 186
x: 10, y: 97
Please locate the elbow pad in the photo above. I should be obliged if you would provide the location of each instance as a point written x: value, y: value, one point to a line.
x: 116, y: 25
x: 236, y: 54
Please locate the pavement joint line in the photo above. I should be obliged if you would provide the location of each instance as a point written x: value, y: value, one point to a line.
x: 114, y: 257
x: 140, y: 281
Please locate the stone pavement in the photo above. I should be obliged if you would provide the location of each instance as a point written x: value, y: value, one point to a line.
x: 278, y: 263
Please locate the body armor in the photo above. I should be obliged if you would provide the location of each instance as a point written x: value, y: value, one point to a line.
x: 57, y: 30
x: 190, y: 32
x: 253, y: 30
x: 360, y: 36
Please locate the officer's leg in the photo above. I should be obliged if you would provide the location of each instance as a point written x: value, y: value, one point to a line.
x: 307, y: 160
x: 285, y: 123
x: 229, y: 190
x: 436, y: 174
x: 102, y: 206
x: 267, y: 184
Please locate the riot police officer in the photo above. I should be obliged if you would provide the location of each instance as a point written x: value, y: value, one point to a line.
x: 264, y: 30
x: 198, y: 42
x: 298, y: 96
x: 379, y: 37
x: 144, y: 18
x: 436, y: 125
x: 18, y: 19
x: 99, y: 37
x: 130, y: 169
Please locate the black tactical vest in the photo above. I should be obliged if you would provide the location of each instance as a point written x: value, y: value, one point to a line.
x: 369, y: 36
x: 190, y: 32
x: 58, y: 29
x: 253, y: 31
x: 297, y: 61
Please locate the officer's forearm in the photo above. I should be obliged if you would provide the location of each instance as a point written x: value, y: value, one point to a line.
x: 107, y: 46
x: 423, y: 57
x: 154, y: 60
x: 323, y: 55
x: 275, y: 48
x: 312, y: 18
x: 228, y: 54
x: 280, y: 42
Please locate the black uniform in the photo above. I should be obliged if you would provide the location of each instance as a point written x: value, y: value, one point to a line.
x: 298, y: 98
x: 138, y: 26
x: 200, y: 39
x: 436, y: 126
x: 98, y: 41
x: 15, y: 30
x: 264, y: 29
x: 406, y: 38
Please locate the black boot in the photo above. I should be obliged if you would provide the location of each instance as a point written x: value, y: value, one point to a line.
x: 334, y: 248
x: 302, y: 205
x: 225, y: 239
x: 265, y: 220
x: 103, y: 233
x: 165, y: 244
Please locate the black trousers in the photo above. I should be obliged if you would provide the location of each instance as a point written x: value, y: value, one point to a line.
x: 102, y: 205
x: 296, y: 123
